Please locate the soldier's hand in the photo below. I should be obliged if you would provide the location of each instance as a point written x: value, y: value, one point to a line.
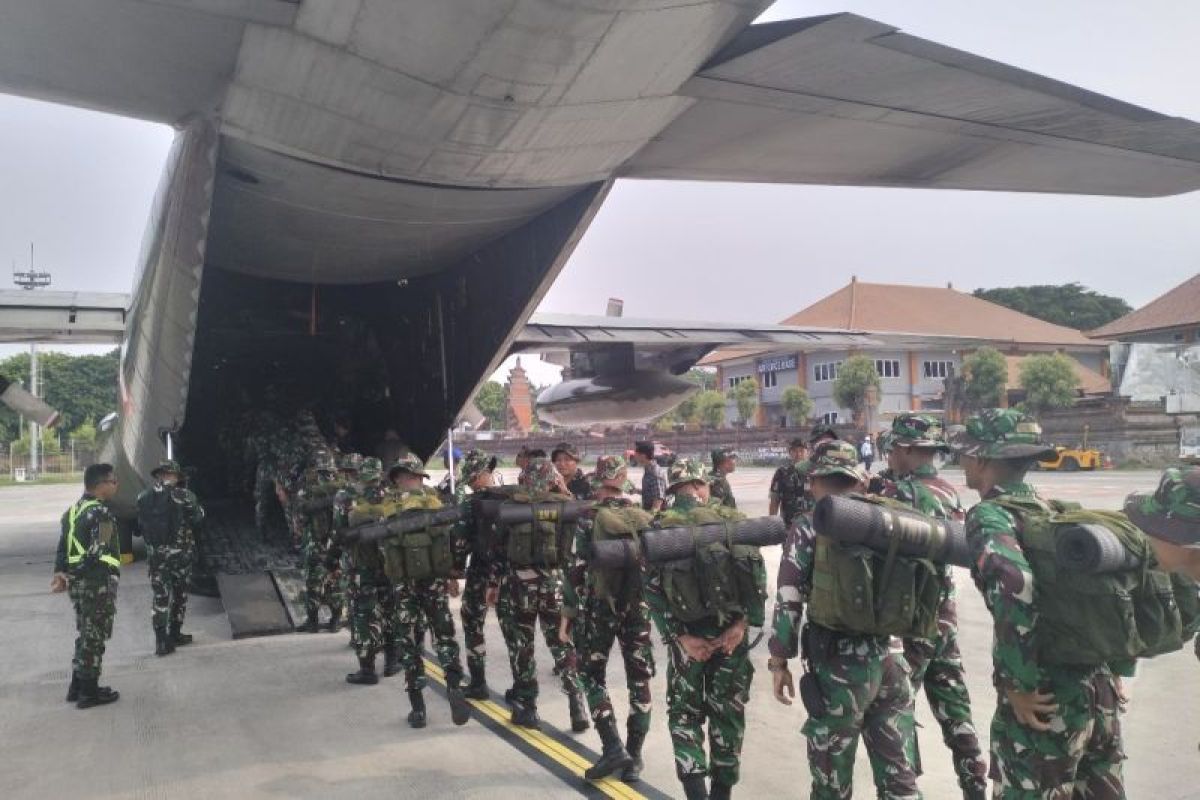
x: 1123, y: 692
x: 1029, y: 708
x: 732, y: 637
x: 452, y: 587
x: 785, y: 687
x: 696, y: 648
x: 492, y: 595
x: 564, y: 630
x: 58, y: 583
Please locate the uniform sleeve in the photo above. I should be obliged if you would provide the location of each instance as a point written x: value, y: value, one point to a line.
x: 776, y: 490
x: 1003, y: 575
x: 669, y: 626
x: 60, y: 558
x: 795, y: 580
x: 576, y: 573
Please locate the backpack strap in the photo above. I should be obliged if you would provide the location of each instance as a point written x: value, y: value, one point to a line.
x: 889, y: 566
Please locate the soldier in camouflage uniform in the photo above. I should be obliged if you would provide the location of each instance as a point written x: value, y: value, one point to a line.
x: 936, y: 665
x: 88, y: 567
x: 789, y: 485
x: 1056, y: 733
x: 263, y: 450
x: 863, y: 679
x: 599, y: 621
x: 724, y: 462
x: 565, y: 458
x: 708, y: 670
x: 426, y: 600
x: 529, y: 595
x: 322, y: 555
x: 171, y: 561
x: 478, y: 470
x: 1171, y: 517
x: 348, y: 465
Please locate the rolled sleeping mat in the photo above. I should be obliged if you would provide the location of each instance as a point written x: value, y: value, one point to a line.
x: 858, y: 522
x: 674, y: 544
x: 25, y: 404
x: 615, y: 554
x: 1092, y: 548
x: 405, y: 522
x: 513, y: 513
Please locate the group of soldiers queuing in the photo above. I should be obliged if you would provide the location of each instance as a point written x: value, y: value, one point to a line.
x: 1056, y: 729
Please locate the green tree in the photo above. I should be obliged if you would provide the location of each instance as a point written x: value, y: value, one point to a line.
x: 80, y: 387
x: 85, y: 435
x: 1049, y: 381
x: 797, y: 404
x: 744, y: 394
x: 856, y: 378
x: 51, y: 446
x: 985, y: 376
x: 1071, y: 304
x: 710, y: 408
x: 492, y: 402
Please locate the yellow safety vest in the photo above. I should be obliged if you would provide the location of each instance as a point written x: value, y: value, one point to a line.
x: 75, y: 549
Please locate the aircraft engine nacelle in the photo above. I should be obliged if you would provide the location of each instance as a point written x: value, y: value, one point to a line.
x: 25, y: 404
x: 621, y: 397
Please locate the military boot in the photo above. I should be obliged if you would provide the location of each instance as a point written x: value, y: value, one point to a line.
x: 178, y: 637
x: 310, y: 624
x: 366, y: 672
x: 92, y: 695
x: 416, y: 717
x: 73, y: 689
x: 391, y: 660
x: 633, y: 746
x: 524, y: 714
x: 460, y: 709
x: 694, y: 787
x: 614, y: 757
x: 579, y: 715
x: 162, y: 643
x: 335, y: 620
x: 477, y: 689
x: 720, y: 791
x: 975, y: 793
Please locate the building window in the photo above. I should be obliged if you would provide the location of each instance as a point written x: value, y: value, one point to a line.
x: 770, y: 379
x: 735, y: 380
x: 829, y: 418
x: 887, y: 367
x: 937, y: 369
x: 826, y: 372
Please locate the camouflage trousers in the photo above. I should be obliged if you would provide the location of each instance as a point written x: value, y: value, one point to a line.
x: 474, y: 616
x: 596, y: 628
x: 322, y: 582
x: 374, y: 617
x: 350, y: 595
x: 523, y: 603
x: 170, y: 571
x: 867, y: 693
x: 420, y: 604
x: 265, y: 501
x: 1079, y: 759
x: 95, y: 601
x: 713, y: 692
x: 937, y: 666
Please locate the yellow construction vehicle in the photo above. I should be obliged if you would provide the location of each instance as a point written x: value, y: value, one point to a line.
x: 1073, y: 459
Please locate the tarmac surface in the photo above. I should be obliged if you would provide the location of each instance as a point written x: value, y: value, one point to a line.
x: 273, y: 717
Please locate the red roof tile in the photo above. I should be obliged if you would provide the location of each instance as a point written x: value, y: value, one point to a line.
x: 1180, y: 306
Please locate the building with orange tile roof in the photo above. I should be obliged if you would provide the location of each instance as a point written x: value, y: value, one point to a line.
x: 1173, y: 318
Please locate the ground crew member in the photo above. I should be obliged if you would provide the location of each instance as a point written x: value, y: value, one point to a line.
x: 597, y: 613
x: 654, y: 478
x: 724, y: 463
x: 427, y: 600
x: 528, y: 595
x: 936, y: 664
x: 322, y: 555
x: 1171, y: 517
x: 709, y: 670
x: 566, y: 461
x: 478, y: 473
x: 789, y: 484
x: 1056, y: 731
x: 863, y: 685
x: 88, y: 567
x: 168, y: 516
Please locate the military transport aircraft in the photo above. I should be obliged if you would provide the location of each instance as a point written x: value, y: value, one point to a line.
x: 367, y: 198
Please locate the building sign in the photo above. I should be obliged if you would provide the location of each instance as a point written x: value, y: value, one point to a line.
x: 777, y: 364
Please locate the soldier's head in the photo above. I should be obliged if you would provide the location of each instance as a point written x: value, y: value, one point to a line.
x: 478, y: 470
x: 798, y: 449
x: 324, y: 463
x: 914, y: 441
x: 687, y: 478
x: 541, y: 476
x: 724, y: 459
x: 835, y: 469
x: 1171, y: 518
x: 408, y: 473
x: 611, y: 476
x: 998, y: 446
x: 371, y: 470
x: 565, y: 458
x: 643, y: 453
x: 100, y: 481
x: 168, y: 472
x: 349, y: 464
x: 522, y: 457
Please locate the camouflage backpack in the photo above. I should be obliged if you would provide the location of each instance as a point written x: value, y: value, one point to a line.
x: 862, y: 591
x: 539, y: 542
x: 423, y: 554
x: 1093, y: 618
x: 617, y: 587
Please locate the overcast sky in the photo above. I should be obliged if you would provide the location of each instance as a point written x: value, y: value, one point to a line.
x: 79, y: 185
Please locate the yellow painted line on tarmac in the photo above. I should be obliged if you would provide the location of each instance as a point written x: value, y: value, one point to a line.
x: 544, y: 744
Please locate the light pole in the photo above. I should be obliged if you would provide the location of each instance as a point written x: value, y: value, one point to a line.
x: 33, y: 279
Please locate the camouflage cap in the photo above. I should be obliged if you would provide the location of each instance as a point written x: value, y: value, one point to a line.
x: 1001, y: 433
x: 540, y: 475
x: 166, y: 465
x: 611, y: 472
x: 350, y: 462
x: 835, y: 458
x: 821, y: 430
x: 722, y: 453
x: 565, y: 448
x: 475, y: 462
x: 409, y: 462
x: 686, y: 470
x: 1172, y: 513
x: 371, y: 469
x: 919, y: 430
x: 323, y: 460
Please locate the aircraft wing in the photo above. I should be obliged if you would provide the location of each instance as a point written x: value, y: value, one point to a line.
x: 850, y: 101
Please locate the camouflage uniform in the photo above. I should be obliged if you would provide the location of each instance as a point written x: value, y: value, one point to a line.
x: 865, y: 685
x: 322, y: 555
x: 480, y: 576
x: 90, y: 553
x: 718, y: 485
x: 373, y: 615
x: 789, y: 486
x: 170, y: 565
x: 936, y: 664
x: 1080, y: 757
x: 714, y: 691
